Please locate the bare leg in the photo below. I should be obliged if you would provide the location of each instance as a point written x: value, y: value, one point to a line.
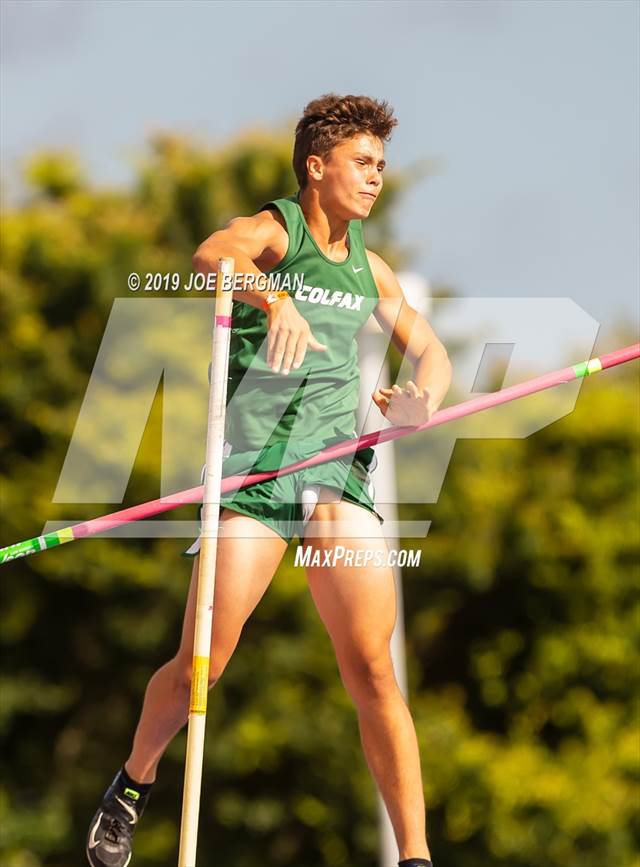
x: 248, y: 555
x: 391, y: 750
x: 358, y: 608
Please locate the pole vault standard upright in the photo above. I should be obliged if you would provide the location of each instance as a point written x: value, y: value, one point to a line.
x: 337, y: 450
x: 207, y: 566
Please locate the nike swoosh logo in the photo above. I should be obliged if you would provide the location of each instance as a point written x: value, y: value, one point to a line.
x: 130, y: 811
x: 357, y: 270
x: 92, y: 839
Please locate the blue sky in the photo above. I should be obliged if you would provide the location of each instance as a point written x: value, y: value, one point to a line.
x: 529, y: 110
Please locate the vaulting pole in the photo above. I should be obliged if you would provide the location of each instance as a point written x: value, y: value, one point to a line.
x: 207, y: 567
x: 337, y: 450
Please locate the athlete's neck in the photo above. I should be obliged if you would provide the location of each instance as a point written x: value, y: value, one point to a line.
x: 329, y: 232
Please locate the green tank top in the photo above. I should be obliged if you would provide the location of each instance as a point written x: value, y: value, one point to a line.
x: 316, y: 404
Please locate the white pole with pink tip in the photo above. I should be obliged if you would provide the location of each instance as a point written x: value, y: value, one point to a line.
x: 207, y: 566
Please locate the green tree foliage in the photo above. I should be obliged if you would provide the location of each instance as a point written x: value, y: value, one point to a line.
x: 524, y: 631
x: 521, y: 621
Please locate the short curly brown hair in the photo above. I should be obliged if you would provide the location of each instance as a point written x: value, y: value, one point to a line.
x: 331, y: 119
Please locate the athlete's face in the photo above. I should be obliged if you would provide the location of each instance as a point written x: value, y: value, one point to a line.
x: 350, y: 177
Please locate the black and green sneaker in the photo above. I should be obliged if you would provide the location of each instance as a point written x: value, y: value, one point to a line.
x: 111, y: 830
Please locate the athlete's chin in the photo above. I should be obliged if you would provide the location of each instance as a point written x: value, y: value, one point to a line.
x: 366, y: 203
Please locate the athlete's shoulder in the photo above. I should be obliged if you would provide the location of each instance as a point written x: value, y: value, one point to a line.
x: 267, y: 222
x: 261, y: 235
x: 385, y: 280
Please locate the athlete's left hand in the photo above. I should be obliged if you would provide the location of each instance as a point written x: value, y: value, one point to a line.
x: 404, y: 406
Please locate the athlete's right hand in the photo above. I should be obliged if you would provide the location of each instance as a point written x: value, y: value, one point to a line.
x: 288, y: 337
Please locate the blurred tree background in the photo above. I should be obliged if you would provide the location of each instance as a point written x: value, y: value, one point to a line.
x: 522, y: 621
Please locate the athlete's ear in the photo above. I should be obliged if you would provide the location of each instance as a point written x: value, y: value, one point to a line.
x: 315, y: 167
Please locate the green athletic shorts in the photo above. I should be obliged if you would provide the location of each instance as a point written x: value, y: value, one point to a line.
x: 286, y: 503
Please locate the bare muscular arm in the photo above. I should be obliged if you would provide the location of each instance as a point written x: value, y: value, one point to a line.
x: 257, y: 244
x: 415, y: 339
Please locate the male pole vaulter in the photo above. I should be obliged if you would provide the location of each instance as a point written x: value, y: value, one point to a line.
x: 293, y: 388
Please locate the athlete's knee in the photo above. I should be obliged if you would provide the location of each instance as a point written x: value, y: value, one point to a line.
x: 368, y: 675
x: 216, y: 670
x: 184, y: 672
